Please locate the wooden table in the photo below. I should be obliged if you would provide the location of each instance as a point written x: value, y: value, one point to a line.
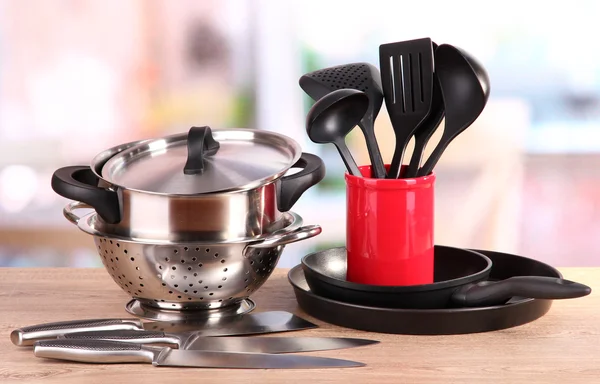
x: 562, y: 347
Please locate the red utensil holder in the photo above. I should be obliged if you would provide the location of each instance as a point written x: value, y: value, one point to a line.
x: 389, y: 229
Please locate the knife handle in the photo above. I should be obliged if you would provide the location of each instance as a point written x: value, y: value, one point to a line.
x: 93, y: 351
x: 127, y: 336
x: 28, y: 335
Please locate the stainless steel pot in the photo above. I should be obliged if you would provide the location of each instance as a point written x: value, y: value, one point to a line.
x: 204, y: 185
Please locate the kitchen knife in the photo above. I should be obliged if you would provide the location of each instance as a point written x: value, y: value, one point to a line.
x: 194, y: 341
x: 248, y: 324
x: 102, y: 352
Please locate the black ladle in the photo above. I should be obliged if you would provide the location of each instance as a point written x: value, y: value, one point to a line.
x: 465, y: 89
x: 333, y: 116
x: 363, y: 77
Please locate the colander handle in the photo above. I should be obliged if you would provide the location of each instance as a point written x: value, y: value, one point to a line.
x: 69, y: 208
x: 284, y: 238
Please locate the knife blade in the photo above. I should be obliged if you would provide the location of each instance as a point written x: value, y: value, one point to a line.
x: 102, y: 352
x: 195, y: 341
x: 247, y: 324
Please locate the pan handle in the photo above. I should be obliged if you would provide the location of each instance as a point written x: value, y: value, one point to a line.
x: 81, y: 184
x: 487, y: 293
x: 283, y: 238
x: 291, y: 187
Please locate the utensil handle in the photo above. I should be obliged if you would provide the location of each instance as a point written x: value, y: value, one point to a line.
x: 377, y: 165
x: 93, y: 351
x: 125, y: 336
x: 536, y: 287
x: 291, y: 187
x: 347, y: 158
x: 434, y: 157
x: 301, y: 233
x: 28, y: 335
x: 81, y: 184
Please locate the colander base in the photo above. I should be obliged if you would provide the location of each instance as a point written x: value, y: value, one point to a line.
x: 136, y: 308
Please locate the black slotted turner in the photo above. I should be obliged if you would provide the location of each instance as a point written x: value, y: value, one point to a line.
x: 407, y: 82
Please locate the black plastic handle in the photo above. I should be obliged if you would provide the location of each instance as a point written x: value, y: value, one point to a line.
x: 291, y: 187
x: 488, y: 293
x: 81, y: 184
x: 200, y: 143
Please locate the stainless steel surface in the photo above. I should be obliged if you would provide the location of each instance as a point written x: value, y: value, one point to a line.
x: 195, y: 341
x: 246, y: 159
x: 100, y: 159
x: 247, y: 324
x: 150, y: 312
x: 28, y: 335
x: 195, y: 275
x: 98, y: 351
x: 210, y: 217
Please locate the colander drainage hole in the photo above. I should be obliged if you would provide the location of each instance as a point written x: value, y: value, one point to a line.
x: 164, y: 284
x: 166, y: 259
x: 189, y: 268
x: 197, y: 249
x: 137, y: 269
x: 141, y: 285
x: 174, y: 268
x: 171, y: 292
x: 206, y: 287
x: 175, y: 251
x: 207, y: 250
x: 200, y: 265
x: 160, y: 267
x: 251, y: 262
x: 191, y: 285
x: 118, y: 245
x: 125, y: 251
x: 182, y: 261
x: 224, y: 278
x: 194, y: 259
x: 224, y: 269
x: 179, y: 297
x: 185, y: 248
x: 216, y: 254
x: 222, y: 261
x: 220, y: 286
x: 116, y: 258
x: 185, y: 277
x: 176, y: 285
x: 132, y: 259
x: 195, y: 291
x: 173, y: 305
x: 195, y: 274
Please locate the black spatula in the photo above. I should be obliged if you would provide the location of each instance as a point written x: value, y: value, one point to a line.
x: 407, y: 81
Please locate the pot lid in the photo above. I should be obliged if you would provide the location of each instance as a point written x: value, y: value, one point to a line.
x: 203, y: 161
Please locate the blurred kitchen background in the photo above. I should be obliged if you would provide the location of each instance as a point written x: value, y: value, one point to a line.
x: 79, y: 76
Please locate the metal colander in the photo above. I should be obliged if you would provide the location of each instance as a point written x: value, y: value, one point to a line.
x: 202, y: 275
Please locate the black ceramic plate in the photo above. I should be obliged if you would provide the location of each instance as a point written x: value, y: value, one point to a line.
x: 516, y: 312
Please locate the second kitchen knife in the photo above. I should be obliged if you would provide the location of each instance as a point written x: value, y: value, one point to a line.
x: 102, y: 352
x: 248, y: 324
x: 195, y: 341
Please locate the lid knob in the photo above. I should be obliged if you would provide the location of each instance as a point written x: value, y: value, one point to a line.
x: 200, y: 143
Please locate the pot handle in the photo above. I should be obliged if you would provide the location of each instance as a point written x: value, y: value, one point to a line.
x: 291, y: 187
x: 487, y: 293
x: 284, y: 238
x: 81, y: 184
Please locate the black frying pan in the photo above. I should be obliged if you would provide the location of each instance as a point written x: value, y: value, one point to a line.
x: 461, y: 280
